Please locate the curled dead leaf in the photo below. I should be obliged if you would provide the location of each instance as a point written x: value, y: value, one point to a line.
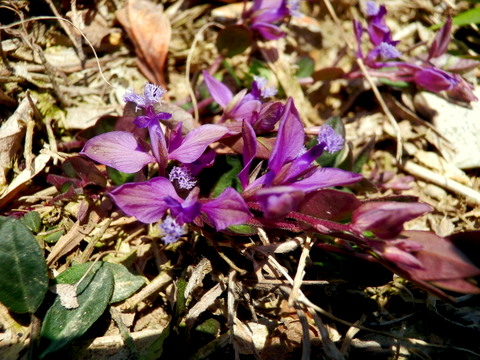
x: 149, y: 29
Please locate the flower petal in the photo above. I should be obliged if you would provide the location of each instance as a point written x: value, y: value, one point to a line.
x: 145, y: 200
x: 326, y: 177
x: 220, y: 93
x: 119, y: 150
x: 196, y: 141
x: 227, y: 209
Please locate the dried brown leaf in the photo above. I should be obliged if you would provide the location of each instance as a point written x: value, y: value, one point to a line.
x: 11, y: 135
x: 149, y: 29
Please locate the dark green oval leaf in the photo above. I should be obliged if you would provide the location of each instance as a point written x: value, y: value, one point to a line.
x: 23, y: 280
x: 32, y: 220
x: 62, y: 325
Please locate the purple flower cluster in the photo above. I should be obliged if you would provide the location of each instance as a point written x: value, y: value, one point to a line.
x: 278, y: 184
x: 265, y: 15
x: 174, y: 196
x: 424, y: 72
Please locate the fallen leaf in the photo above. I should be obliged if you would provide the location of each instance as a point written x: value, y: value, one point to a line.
x: 11, y: 135
x: 149, y: 29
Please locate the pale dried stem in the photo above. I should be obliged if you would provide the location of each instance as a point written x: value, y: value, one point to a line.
x: 188, y: 82
x: 377, y: 94
x: 75, y: 40
x: 306, y: 343
x: 471, y: 196
x: 159, y: 282
x: 385, y: 109
x: 297, y: 282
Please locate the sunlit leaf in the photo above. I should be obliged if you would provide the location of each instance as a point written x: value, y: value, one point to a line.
x: 125, y: 283
x: 62, y: 325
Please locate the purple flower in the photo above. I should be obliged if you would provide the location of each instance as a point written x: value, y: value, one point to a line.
x: 265, y: 14
x: 172, y: 230
x: 435, y: 80
x: 151, y: 95
x: 372, y: 8
x: 239, y: 107
x: 183, y: 176
x: 149, y: 201
x: 122, y: 151
x: 331, y: 141
x: 421, y: 71
x: 261, y: 89
x: 291, y: 173
x: 377, y: 27
x: 246, y: 106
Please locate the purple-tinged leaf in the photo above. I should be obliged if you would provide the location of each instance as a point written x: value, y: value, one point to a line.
x: 145, y: 200
x: 233, y: 40
x: 227, y: 209
x: 469, y: 243
x: 401, y: 257
x: 268, y: 116
x: 441, y: 40
x: 119, y: 150
x: 79, y: 168
x: 220, y: 92
x: 196, y: 141
x: 386, y: 219
x: 443, y: 263
x: 329, y: 204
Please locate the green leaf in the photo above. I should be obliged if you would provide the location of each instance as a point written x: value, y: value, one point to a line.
x: 62, y: 325
x: 53, y: 237
x: 23, y: 280
x: 397, y: 84
x: 468, y: 17
x: 32, y: 221
x: 125, y: 283
x: 230, y: 177
x: 233, y: 40
x: 242, y: 229
x: 306, y: 66
x: 118, y: 177
x: 363, y: 156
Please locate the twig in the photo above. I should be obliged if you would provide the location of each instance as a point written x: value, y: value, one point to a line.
x: 71, y: 36
x: 306, y: 343
x: 300, y: 271
x: 364, y: 70
x: 160, y: 281
x: 125, y: 333
x: 187, y: 67
x: 471, y: 196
